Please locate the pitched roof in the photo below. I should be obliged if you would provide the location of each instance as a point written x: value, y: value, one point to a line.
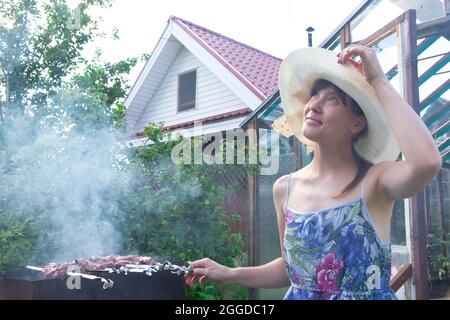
x: 257, y: 69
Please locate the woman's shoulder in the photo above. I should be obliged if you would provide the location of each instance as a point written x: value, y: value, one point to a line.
x: 279, y: 192
x: 280, y: 184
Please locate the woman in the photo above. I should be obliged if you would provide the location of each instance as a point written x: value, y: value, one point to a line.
x: 334, y: 214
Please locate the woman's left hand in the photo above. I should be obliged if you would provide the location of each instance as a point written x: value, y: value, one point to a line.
x: 369, y: 66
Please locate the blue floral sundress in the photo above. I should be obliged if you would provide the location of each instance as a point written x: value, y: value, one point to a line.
x: 336, y: 254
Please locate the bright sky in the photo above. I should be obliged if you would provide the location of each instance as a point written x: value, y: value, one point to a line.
x: 273, y: 26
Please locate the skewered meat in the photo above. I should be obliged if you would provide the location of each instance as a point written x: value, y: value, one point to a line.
x: 56, y: 270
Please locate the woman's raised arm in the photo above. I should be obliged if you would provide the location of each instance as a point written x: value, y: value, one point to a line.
x: 423, y: 161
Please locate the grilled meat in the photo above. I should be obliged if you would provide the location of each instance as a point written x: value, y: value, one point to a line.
x: 56, y: 270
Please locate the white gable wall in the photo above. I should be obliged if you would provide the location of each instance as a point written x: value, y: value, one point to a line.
x: 213, y: 97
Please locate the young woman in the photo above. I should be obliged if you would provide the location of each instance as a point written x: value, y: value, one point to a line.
x: 334, y: 214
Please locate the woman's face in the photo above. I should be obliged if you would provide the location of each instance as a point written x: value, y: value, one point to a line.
x: 327, y: 118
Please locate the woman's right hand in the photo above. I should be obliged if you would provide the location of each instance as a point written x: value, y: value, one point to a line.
x: 207, y: 269
x: 369, y: 66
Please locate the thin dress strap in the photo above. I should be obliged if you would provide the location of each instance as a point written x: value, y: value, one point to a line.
x: 287, y: 192
x: 362, y: 187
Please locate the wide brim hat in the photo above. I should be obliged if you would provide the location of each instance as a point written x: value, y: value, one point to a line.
x: 297, y: 75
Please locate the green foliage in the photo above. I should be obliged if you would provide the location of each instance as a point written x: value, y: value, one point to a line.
x: 41, y: 69
x: 40, y: 44
x: 106, y: 80
x: 94, y: 97
x: 175, y: 213
x: 15, y: 242
x: 438, y: 255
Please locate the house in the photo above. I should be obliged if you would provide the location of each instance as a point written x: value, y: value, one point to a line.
x: 198, y: 75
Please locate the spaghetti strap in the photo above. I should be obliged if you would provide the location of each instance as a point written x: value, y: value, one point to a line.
x: 362, y: 187
x: 287, y: 192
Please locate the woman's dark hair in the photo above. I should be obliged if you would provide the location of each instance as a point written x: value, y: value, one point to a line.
x: 363, y: 164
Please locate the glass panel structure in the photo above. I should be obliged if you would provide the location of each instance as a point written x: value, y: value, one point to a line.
x: 268, y: 242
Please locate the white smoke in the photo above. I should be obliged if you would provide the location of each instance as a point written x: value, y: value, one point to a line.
x: 72, y: 180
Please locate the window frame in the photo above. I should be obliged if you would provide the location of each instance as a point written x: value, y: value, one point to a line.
x: 179, y: 107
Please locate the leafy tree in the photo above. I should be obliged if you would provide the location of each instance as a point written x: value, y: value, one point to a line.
x: 94, y: 97
x: 41, y: 43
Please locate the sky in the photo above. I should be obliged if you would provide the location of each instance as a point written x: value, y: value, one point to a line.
x: 276, y: 27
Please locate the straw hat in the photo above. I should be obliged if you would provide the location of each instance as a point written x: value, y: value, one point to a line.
x: 298, y: 73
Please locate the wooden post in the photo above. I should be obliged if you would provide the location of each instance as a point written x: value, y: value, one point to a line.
x: 427, y: 211
x: 346, y: 36
x: 442, y: 214
x: 298, y: 154
x: 408, y: 49
x: 403, y: 275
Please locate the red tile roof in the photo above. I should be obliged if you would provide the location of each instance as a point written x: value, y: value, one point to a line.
x: 256, y: 69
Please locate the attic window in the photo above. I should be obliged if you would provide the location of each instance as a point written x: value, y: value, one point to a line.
x: 187, y: 83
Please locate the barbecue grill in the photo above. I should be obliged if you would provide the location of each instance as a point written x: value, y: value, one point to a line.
x: 25, y: 284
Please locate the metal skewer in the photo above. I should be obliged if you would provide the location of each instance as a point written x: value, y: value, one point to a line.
x: 107, y: 283
x: 34, y: 268
x: 134, y: 268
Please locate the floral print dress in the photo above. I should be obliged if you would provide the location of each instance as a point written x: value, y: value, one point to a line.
x: 336, y: 254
